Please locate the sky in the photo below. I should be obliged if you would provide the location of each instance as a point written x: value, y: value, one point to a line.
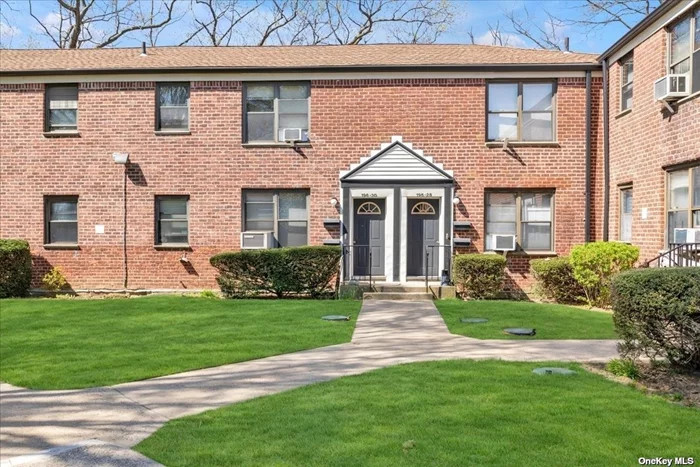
x: 19, y: 30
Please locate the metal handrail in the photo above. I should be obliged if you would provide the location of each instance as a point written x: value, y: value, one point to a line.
x: 348, y: 253
x: 448, y: 267
x: 678, y: 255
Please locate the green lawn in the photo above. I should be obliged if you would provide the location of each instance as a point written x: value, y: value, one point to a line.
x: 550, y: 321
x: 454, y: 413
x: 59, y: 344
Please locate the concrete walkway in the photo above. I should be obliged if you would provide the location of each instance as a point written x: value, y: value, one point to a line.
x: 386, y: 333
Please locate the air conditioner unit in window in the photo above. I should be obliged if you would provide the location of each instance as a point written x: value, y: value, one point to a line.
x: 671, y: 87
x: 503, y: 242
x: 257, y: 240
x: 686, y: 235
x: 292, y: 135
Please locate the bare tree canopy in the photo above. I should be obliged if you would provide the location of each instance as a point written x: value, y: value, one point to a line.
x: 72, y: 24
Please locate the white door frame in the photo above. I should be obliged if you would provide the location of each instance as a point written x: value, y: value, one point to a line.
x: 369, y: 194
x: 425, y: 192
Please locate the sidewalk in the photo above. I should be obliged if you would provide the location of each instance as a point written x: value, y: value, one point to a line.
x: 387, y: 333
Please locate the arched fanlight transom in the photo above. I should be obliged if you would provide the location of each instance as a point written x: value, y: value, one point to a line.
x: 423, y: 208
x: 369, y: 208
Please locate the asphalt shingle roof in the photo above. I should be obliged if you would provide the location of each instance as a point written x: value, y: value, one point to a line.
x: 324, y: 56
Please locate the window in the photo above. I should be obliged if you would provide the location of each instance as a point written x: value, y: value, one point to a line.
x: 61, y: 108
x: 284, y: 212
x: 272, y: 108
x: 683, y: 200
x: 625, y: 234
x: 61, y: 220
x: 627, y: 68
x: 684, y: 48
x: 172, y: 109
x: 172, y: 220
x: 520, y: 111
x: 527, y: 215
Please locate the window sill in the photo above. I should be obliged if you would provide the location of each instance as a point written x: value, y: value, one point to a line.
x: 524, y: 144
x: 523, y: 253
x: 62, y: 134
x: 623, y: 113
x: 61, y: 246
x: 173, y: 246
x: 172, y: 132
x: 276, y: 145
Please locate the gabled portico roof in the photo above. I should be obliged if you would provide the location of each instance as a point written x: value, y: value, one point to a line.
x: 394, y: 162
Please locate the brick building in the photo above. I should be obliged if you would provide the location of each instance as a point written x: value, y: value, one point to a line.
x: 398, y: 150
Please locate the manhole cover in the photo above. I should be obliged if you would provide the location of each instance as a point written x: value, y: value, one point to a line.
x: 520, y: 331
x: 553, y: 371
x: 336, y: 318
x: 473, y: 320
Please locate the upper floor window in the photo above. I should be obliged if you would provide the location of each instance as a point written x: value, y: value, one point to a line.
x: 276, y: 112
x: 172, y: 109
x: 527, y: 215
x: 684, y: 48
x: 284, y: 212
x: 172, y: 220
x: 61, y: 108
x: 61, y: 220
x: 520, y: 111
x: 683, y: 200
x: 627, y: 68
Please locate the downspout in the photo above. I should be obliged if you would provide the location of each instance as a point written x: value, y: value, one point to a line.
x: 606, y: 151
x: 124, y: 253
x: 587, y: 213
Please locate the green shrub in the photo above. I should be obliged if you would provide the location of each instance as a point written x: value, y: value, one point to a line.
x: 479, y: 276
x: 657, y: 313
x: 208, y: 294
x: 623, y: 367
x: 15, y: 268
x: 54, y: 280
x: 281, y: 271
x: 555, y: 278
x: 595, y: 263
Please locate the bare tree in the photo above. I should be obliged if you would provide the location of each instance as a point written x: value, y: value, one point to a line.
x: 496, y: 36
x: 215, y: 22
x: 100, y: 23
x: 545, y: 35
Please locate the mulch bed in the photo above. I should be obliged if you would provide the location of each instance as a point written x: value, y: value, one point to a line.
x: 676, y: 386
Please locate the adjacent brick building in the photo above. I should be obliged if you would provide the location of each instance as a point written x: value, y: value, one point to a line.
x: 395, y: 149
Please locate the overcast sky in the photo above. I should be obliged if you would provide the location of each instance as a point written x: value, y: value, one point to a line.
x: 18, y: 29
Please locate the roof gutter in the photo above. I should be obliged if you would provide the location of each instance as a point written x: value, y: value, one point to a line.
x: 592, y: 66
x: 639, y: 27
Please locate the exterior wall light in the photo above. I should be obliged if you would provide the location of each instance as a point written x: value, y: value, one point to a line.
x: 455, y: 201
x: 120, y: 157
x: 334, y: 202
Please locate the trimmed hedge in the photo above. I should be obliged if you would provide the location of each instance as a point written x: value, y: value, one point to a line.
x: 595, y: 263
x: 479, y: 276
x: 555, y: 278
x: 281, y: 272
x: 657, y: 313
x: 15, y: 268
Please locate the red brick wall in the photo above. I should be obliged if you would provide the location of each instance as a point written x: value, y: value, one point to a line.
x: 643, y: 141
x: 443, y: 117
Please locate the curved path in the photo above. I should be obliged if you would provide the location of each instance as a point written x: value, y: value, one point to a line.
x: 387, y: 333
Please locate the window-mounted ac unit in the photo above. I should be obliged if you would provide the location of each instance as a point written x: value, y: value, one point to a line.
x: 292, y: 135
x: 256, y: 240
x: 503, y: 242
x: 686, y: 235
x: 671, y: 87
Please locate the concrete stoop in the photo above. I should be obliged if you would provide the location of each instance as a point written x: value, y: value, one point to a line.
x: 398, y: 295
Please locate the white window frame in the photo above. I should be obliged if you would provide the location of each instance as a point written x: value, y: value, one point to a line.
x: 520, y: 112
x: 626, y: 84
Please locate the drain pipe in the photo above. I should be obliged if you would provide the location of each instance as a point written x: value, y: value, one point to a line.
x: 606, y: 151
x: 587, y: 213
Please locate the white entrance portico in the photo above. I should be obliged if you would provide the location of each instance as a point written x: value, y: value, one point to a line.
x: 396, y: 210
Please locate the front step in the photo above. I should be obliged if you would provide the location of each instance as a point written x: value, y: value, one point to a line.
x: 398, y: 288
x: 422, y: 296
